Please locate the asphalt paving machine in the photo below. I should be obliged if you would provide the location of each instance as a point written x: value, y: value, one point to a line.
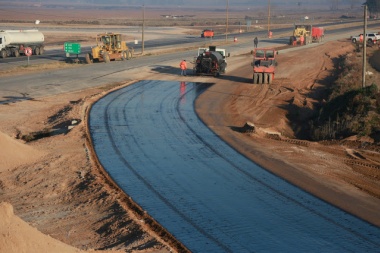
x: 210, y: 62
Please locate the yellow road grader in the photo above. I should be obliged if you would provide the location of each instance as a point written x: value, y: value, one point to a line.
x: 109, y: 47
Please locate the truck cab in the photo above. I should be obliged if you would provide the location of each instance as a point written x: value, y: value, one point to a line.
x: 2, y: 42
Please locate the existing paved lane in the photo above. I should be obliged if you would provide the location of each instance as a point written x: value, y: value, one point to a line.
x: 148, y: 137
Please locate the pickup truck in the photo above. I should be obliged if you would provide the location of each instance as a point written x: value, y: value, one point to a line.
x: 371, y: 38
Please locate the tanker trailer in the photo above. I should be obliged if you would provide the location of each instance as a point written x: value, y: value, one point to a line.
x: 210, y: 63
x: 14, y: 42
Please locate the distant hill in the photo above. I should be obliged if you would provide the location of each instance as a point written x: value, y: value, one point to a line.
x: 215, y: 4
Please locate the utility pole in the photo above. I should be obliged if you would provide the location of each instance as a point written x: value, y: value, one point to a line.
x: 143, y: 27
x: 226, y: 20
x: 268, y: 17
x: 364, y: 45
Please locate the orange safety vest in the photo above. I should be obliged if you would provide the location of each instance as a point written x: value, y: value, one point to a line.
x: 183, y: 65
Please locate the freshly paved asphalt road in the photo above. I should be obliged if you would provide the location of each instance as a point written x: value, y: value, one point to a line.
x: 211, y: 198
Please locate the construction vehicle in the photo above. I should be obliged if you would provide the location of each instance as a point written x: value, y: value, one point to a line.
x: 299, y: 31
x: 109, y: 47
x: 221, y: 51
x: 207, y: 33
x: 14, y: 42
x: 306, y: 34
x: 264, y: 65
x: 317, y: 34
x: 210, y: 62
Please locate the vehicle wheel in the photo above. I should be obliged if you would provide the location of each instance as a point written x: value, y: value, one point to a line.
x: 255, y: 78
x: 37, y: 51
x: 124, y: 55
x: 106, y: 57
x: 3, y: 54
x: 259, y: 78
x: 129, y: 54
x: 89, y: 58
x: 265, y: 79
x: 354, y: 40
x: 16, y: 53
x: 42, y: 50
x: 270, y: 78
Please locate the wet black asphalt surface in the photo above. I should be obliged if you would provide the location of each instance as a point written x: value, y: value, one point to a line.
x: 211, y: 198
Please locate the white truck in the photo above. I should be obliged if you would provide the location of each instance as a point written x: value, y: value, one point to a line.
x: 14, y: 42
x: 372, y: 38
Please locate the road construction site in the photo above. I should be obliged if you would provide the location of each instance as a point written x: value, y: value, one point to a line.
x: 61, y: 95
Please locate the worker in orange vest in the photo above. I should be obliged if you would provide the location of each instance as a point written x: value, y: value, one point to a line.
x: 361, y: 38
x: 183, y: 66
x: 302, y: 40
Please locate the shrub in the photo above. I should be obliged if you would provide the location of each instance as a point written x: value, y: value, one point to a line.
x: 350, y: 109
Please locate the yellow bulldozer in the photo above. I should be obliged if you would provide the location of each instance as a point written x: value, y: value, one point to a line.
x: 109, y: 47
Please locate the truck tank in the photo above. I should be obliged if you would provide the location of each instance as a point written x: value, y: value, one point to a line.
x: 210, y: 63
x: 28, y: 37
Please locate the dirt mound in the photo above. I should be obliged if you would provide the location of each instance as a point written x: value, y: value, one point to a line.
x: 14, y: 153
x: 18, y: 236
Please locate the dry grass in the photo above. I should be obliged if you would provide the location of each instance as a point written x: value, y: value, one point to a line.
x: 34, y: 68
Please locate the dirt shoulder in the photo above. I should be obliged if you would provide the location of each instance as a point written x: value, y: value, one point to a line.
x: 55, y: 185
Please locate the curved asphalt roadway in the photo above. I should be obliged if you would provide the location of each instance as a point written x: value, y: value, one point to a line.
x: 210, y: 197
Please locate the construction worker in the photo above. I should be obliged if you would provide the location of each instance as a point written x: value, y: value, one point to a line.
x: 255, y: 41
x: 361, y: 38
x: 183, y: 66
x: 302, y: 40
